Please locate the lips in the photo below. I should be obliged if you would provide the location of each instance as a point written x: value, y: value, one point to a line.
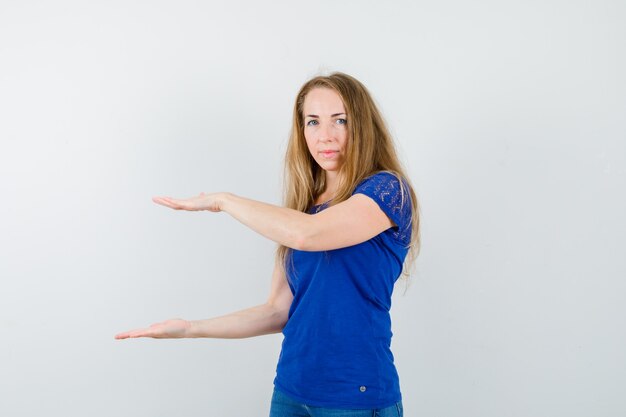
x: 329, y: 153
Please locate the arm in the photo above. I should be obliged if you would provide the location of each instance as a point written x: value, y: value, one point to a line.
x: 266, y: 318
x: 348, y: 223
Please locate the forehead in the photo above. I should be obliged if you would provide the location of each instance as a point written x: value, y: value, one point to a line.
x: 321, y: 100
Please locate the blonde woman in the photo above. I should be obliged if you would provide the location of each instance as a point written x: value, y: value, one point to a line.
x: 348, y: 231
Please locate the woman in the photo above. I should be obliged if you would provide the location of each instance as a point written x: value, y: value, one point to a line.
x: 351, y: 219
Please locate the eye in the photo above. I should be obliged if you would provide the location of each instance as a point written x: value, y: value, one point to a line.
x: 342, y: 121
x: 312, y: 122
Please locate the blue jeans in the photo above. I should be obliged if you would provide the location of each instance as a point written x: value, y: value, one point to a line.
x: 284, y: 406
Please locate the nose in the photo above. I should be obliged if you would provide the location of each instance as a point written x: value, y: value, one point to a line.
x: 326, y: 133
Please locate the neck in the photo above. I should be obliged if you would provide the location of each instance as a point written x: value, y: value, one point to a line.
x: 332, y: 181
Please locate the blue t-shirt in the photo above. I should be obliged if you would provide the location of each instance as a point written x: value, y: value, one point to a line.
x: 336, y: 348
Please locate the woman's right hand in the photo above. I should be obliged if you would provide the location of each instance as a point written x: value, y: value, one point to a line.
x: 168, y: 329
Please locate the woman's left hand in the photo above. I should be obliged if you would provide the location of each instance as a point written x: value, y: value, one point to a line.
x: 211, y: 202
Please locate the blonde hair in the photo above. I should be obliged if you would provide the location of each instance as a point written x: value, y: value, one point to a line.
x: 369, y: 150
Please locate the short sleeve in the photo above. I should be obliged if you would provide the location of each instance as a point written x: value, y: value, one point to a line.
x: 384, y: 188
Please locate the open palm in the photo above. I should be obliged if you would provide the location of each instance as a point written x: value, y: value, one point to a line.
x: 202, y: 201
x: 168, y: 329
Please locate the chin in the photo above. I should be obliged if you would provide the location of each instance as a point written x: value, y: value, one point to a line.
x: 330, y: 167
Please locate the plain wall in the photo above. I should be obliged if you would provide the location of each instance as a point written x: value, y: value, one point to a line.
x: 508, y: 115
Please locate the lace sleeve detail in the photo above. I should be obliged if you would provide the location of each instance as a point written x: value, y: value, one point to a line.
x: 384, y: 188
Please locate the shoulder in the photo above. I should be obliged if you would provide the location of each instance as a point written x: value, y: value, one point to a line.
x: 385, y: 183
x: 392, y: 194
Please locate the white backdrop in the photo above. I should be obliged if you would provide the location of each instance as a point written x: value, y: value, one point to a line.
x: 509, y: 117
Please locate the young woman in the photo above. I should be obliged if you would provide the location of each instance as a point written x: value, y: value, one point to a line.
x: 348, y: 231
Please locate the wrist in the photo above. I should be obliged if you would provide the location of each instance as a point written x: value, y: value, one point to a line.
x: 224, y: 201
x: 191, y: 329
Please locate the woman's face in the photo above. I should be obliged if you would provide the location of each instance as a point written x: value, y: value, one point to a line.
x: 325, y: 127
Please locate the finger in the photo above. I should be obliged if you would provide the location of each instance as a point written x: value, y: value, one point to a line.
x: 124, y: 335
x: 161, y: 200
x: 177, y: 204
x: 168, y: 202
x: 133, y: 333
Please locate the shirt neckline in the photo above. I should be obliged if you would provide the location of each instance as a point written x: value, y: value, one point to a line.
x: 316, y: 208
x: 325, y: 202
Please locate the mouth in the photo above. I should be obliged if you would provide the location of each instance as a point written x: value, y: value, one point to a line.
x: 329, y: 154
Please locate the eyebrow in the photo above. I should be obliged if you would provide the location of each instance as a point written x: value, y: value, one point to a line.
x: 332, y: 115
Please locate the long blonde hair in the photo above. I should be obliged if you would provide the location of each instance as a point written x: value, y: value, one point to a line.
x: 369, y: 149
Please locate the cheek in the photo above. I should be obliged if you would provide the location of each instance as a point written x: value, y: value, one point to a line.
x: 309, y: 144
x: 344, y: 139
